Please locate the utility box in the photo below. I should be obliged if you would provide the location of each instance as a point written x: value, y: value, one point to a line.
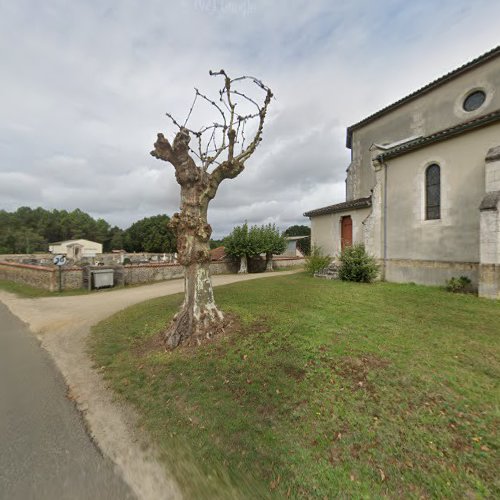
x: 102, y: 278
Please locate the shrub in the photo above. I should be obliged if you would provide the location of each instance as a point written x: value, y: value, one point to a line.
x: 315, y: 261
x: 357, y: 265
x: 458, y: 285
x: 126, y: 261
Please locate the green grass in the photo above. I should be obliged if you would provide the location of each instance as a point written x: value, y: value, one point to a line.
x: 328, y: 389
x: 31, y: 292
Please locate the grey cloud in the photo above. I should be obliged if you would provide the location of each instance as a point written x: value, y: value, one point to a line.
x: 17, y: 188
x: 85, y: 89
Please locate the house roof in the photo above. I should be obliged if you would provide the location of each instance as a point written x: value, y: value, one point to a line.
x: 341, y: 207
x: 442, y: 135
x: 426, y: 88
x: 218, y: 253
x: 68, y: 242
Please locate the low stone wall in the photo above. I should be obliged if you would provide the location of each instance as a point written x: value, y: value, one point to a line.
x: 36, y: 276
x: 429, y: 272
x: 258, y: 264
x: 47, y: 278
x: 489, y: 282
x: 71, y: 278
x: 144, y: 273
x: 224, y: 267
x: 285, y: 262
x: 43, y: 277
x: 20, y: 257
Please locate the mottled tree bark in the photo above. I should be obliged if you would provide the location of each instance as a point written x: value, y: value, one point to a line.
x: 269, y: 262
x: 243, y: 265
x: 199, y: 318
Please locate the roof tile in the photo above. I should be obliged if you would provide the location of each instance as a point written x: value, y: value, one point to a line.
x: 341, y: 207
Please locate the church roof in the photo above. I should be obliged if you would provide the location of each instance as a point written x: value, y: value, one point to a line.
x: 426, y: 88
x: 442, y: 135
x: 341, y: 207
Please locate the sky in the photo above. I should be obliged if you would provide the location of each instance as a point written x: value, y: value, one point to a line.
x: 85, y: 86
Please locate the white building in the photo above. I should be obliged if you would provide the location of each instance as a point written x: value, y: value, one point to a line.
x: 423, y: 186
x: 76, y: 249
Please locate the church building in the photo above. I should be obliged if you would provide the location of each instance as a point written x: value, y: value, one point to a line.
x: 423, y: 185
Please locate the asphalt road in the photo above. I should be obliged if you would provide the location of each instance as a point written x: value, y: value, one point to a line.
x: 45, y: 452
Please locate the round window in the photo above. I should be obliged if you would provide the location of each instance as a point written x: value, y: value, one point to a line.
x: 474, y: 100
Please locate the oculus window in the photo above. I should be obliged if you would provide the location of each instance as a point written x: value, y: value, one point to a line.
x: 474, y: 100
x: 433, y: 192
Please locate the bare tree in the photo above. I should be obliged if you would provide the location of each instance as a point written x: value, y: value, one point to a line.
x: 221, y: 154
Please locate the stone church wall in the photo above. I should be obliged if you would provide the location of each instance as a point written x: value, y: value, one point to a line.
x: 428, y: 113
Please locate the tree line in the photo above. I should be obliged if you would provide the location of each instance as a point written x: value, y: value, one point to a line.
x: 30, y: 230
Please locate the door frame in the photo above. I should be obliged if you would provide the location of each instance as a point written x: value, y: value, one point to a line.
x: 343, y: 240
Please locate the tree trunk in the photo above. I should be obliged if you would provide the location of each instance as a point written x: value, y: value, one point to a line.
x: 269, y: 262
x: 243, y: 265
x: 198, y: 318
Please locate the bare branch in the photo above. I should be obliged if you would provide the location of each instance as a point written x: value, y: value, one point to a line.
x: 174, y: 121
x: 246, y: 97
x: 219, y: 138
x: 199, y: 147
x: 245, y: 154
x: 254, y: 80
x: 217, y: 73
x: 235, y: 164
x: 213, y: 103
x: 209, y: 127
x: 192, y: 107
x: 195, y: 153
x: 212, y: 138
x: 243, y: 138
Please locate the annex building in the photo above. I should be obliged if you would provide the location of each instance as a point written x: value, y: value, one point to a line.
x: 423, y: 185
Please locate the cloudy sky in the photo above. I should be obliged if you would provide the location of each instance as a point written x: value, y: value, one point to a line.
x: 85, y: 85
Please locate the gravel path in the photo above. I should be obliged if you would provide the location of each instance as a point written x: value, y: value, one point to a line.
x: 62, y: 325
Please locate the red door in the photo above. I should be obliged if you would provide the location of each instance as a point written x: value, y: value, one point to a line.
x: 346, y: 232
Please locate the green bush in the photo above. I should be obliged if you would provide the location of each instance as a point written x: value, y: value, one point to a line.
x: 315, y: 261
x: 458, y: 285
x: 126, y: 261
x: 357, y: 265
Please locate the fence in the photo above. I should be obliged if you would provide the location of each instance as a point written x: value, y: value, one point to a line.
x: 46, y: 277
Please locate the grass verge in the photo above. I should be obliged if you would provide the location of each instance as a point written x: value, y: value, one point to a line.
x: 325, y: 389
x: 31, y: 292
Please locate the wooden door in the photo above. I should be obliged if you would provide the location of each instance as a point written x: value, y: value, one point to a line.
x: 346, y: 232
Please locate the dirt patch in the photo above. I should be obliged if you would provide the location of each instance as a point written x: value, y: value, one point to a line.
x: 294, y: 372
x: 356, y: 370
x: 153, y: 343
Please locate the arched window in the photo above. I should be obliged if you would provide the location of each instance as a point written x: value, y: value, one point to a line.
x: 433, y: 192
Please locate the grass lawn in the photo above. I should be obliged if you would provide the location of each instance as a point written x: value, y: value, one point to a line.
x: 31, y: 292
x: 326, y: 389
